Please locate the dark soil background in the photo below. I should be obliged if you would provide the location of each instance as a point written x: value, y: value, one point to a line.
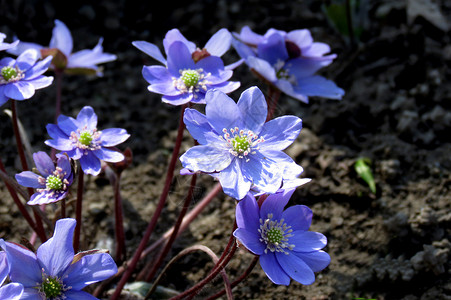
x: 397, y: 112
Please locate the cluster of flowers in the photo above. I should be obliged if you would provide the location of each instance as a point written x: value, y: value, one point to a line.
x: 237, y: 145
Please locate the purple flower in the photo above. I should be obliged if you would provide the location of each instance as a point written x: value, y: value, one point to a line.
x: 20, y: 77
x: 81, y: 140
x: 61, y: 45
x: 12, y: 291
x: 288, y: 61
x: 281, y: 238
x: 54, y: 272
x: 53, y: 183
x: 6, y: 46
x: 188, y: 73
x: 236, y: 145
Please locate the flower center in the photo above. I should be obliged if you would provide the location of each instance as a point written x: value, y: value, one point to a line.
x: 275, y: 234
x: 283, y: 72
x: 241, y: 143
x: 191, y: 81
x: 54, y: 183
x: 190, y: 78
x: 52, y: 287
x: 10, y: 74
x: 85, y: 138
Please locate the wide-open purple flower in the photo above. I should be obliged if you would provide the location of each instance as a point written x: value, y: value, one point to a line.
x: 61, y: 46
x: 11, y: 291
x: 81, y: 140
x: 281, y: 238
x: 188, y: 73
x: 53, y: 183
x: 236, y: 145
x: 54, y: 272
x: 19, y: 78
x: 6, y: 46
x: 288, y: 61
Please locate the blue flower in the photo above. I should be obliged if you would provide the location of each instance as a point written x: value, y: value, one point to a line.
x: 53, y: 183
x: 19, y: 78
x: 237, y: 146
x: 54, y: 272
x: 288, y: 61
x: 12, y: 291
x: 81, y: 140
x: 188, y: 73
x: 6, y: 46
x: 61, y: 45
x: 281, y: 238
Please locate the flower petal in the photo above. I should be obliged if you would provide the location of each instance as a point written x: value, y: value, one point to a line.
x: 280, y: 133
x: 221, y: 111
x: 219, y: 43
x: 249, y: 37
x: 307, y: 241
x: 57, y: 253
x: 299, y: 217
x: 197, y: 125
x: 29, y: 179
x: 206, y: 158
x: 43, y: 163
x: 273, y: 49
x: 67, y: 124
x: 4, y: 267
x: 273, y: 270
x: 233, y: 182
x: 12, y: 291
x: 265, y: 173
x: 108, y: 155
x: 156, y: 74
x: 87, y: 117
x: 151, y: 50
x: 252, y: 105
x: 316, y: 260
x: 61, y: 38
x: 262, y: 67
x: 113, y: 136
x: 38, y: 69
x: 90, y: 163
x: 90, y: 269
x: 319, y: 86
x: 19, y: 90
x: 78, y: 295
x: 41, y: 82
x: 296, y: 268
x: 45, y: 197
x: 179, y: 58
x: 24, y: 267
x: 275, y: 203
x: 27, y: 59
x: 248, y: 214
x: 174, y: 35
x: 251, y: 240
x: 177, y: 100
x: 88, y: 58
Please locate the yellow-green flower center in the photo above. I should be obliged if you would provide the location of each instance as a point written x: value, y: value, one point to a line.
x: 241, y: 144
x: 52, y: 287
x: 274, y: 235
x: 190, y: 78
x: 54, y: 183
x: 85, y: 138
x: 8, y: 73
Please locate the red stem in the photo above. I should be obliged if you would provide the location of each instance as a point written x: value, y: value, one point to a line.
x: 78, y: 208
x: 273, y: 99
x: 159, y: 209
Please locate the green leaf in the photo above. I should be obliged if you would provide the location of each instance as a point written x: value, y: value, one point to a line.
x: 363, y: 169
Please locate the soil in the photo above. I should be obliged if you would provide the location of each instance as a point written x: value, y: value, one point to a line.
x: 394, y: 244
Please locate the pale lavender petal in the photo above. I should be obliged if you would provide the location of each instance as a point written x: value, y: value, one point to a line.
x: 19, y: 90
x: 250, y: 240
x: 43, y: 163
x: 280, y: 133
x: 87, y: 117
x: 12, y: 291
x: 296, y: 268
x: 319, y: 86
x: 90, y: 58
x: 67, y: 124
x: 262, y: 67
x: 243, y: 50
x: 221, y: 111
x: 4, y: 267
x: 23, y: 263
x: 22, y: 46
x: 233, y: 182
x: 113, y: 136
x: 30, y: 293
x: 61, y: 38
x: 249, y: 37
x: 179, y: 58
x: 264, y: 173
x: 206, y: 158
x: 307, y: 241
x: 27, y: 59
x: 174, y: 35
x: 29, y: 179
x: 57, y: 253
x: 273, y: 49
x: 90, y: 164
x: 45, y: 197
x: 38, y: 69
x: 155, y: 74
x: 318, y: 50
x: 219, y: 43
x: 151, y: 50
x: 274, y: 204
x: 299, y: 217
x: 60, y: 144
x: 108, y: 155
x: 177, y: 100
x: 273, y: 270
x: 41, y: 81
x: 234, y: 65
x: 166, y: 88
x: 316, y: 260
x: 78, y: 295
x: 252, y: 104
x: 3, y: 98
x: 90, y: 269
x: 228, y: 86
x: 301, y: 37
x: 197, y: 125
